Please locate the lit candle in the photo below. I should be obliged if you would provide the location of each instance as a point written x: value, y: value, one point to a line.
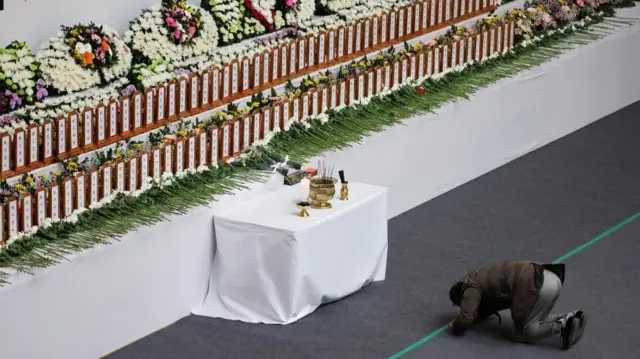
x: 305, y: 183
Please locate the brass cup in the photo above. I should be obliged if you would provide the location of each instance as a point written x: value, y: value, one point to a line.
x: 321, y: 191
x: 303, y: 209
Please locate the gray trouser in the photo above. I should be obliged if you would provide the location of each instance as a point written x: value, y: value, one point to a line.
x: 541, y: 324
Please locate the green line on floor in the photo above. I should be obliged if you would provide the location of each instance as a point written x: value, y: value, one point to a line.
x: 569, y: 254
x: 434, y: 334
x: 598, y: 238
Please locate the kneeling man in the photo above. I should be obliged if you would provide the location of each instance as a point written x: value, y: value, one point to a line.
x: 528, y: 289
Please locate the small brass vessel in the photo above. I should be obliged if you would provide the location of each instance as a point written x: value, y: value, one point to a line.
x: 303, y: 206
x: 344, y: 192
x: 321, y: 191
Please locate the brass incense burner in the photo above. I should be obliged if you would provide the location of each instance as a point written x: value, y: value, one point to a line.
x: 321, y: 191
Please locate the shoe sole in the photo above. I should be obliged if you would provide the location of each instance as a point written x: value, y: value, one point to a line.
x: 577, y: 330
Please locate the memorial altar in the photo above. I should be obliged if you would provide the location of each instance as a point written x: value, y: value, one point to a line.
x: 273, y: 267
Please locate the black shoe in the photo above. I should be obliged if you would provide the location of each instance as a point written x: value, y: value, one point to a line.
x: 573, y: 330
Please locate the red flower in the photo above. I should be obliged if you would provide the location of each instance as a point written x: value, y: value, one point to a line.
x: 420, y: 90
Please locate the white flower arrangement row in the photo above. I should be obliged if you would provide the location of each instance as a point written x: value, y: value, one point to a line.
x: 148, y: 35
x: 62, y: 72
x: 62, y: 105
x: 303, y: 18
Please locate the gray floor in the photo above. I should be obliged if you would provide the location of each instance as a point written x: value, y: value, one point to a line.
x: 538, y: 207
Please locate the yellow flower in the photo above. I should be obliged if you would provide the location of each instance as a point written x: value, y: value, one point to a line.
x: 42, y: 177
x: 19, y: 187
x: 182, y: 133
x: 29, y: 179
x: 201, y: 125
x: 308, y: 83
x: 316, y: 80
x: 298, y: 92
x: 255, y: 105
x: 57, y: 173
x: 264, y: 100
x: 117, y: 155
x: 379, y: 57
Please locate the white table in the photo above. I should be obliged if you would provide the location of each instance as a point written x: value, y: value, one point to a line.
x: 274, y: 267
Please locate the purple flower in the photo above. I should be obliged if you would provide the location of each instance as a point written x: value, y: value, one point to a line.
x: 14, y: 99
x: 128, y: 91
x: 41, y: 93
x: 7, y: 120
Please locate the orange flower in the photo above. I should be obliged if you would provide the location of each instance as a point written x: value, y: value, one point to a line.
x: 105, y: 45
x: 87, y: 58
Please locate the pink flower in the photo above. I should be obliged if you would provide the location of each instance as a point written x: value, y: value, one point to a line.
x: 177, y: 34
x: 580, y: 3
x: 431, y: 42
x: 290, y: 3
x: 100, y: 53
x: 565, y: 9
x: 96, y: 39
x: 456, y: 37
x: 170, y: 22
x: 191, y: 31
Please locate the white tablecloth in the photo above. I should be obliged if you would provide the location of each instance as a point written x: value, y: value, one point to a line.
x: 274, y: 267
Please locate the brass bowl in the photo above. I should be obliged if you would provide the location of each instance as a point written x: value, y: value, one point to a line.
x: 321, y: 191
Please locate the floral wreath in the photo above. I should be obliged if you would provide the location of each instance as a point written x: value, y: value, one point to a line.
x: 20, y: 84
x: 183, y: 22
x: 161, y: 33
x: 83, y: 56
